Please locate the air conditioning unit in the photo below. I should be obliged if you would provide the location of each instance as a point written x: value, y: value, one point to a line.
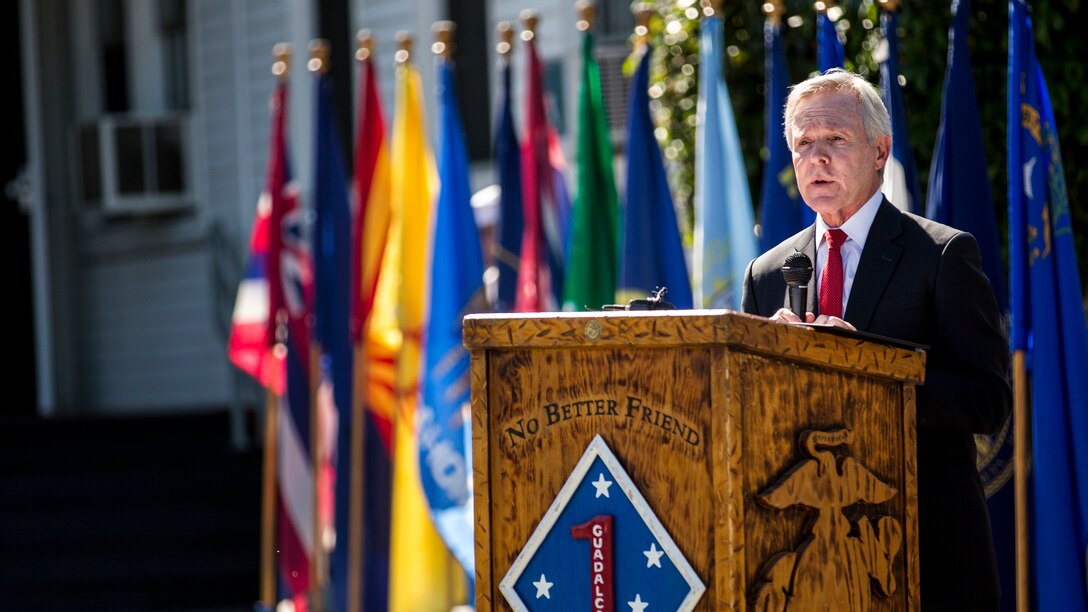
x: 615, y: 89
x: 132, y: 165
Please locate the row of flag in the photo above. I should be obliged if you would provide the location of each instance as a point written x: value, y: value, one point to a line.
x: 354, y: 324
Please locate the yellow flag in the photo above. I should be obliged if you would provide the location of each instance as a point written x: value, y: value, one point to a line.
x: 423, y: 574
x: 375, y: 307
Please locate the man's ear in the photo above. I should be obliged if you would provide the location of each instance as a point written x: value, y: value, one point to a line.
x: 883, y: 150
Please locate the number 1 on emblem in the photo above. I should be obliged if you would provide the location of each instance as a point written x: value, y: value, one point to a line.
x: 598, y: 530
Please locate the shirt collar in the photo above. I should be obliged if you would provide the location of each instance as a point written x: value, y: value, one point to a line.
x: 857, y: 226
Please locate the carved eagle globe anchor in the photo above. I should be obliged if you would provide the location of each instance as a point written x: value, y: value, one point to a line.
x: 832, y: 569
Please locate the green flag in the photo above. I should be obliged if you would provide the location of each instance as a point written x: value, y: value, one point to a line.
x: 592, y: 259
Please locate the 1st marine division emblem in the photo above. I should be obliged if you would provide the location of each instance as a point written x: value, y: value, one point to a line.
x: 599, y: 546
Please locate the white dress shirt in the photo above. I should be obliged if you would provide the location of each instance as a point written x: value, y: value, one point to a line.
x: 857, y: 230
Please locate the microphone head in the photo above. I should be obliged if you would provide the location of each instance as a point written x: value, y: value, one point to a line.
x: 797, y: 269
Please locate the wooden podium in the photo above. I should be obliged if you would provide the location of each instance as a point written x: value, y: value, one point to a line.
x: 780, y: 459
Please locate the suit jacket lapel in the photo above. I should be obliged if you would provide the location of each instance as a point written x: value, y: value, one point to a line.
x: 878, y: 261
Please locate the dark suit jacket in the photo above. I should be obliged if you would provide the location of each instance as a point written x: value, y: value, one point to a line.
x: 921, y: 281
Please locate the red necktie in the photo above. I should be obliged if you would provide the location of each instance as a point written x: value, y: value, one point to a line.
x: 832, y: 277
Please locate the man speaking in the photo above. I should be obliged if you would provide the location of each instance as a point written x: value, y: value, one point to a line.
x: 887, y: 272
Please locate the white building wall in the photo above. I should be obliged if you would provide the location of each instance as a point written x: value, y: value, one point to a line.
x: 158, y: 291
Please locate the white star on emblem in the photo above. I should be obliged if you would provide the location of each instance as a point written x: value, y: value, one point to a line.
x: 601, y: 485
x: 637, y: 605
x: 543, y: 587
x: 653, y: 556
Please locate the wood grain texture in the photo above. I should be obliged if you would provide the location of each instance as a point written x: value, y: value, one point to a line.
x: 704, y: 410
x: 776, y: 406
x: 910, y: 483
x: 696, y: 327
x: 481, y: 482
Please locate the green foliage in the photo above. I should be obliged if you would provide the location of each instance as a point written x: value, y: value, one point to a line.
x: 923, y: 47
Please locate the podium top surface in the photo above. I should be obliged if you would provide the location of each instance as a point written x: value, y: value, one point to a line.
x: 688, y: 328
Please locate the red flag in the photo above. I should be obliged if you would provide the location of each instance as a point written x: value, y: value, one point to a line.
x: 372, y: 213
x: 252, y: 334
x: 370, y: 232
x: 545, y: 200
x: 269, y: 340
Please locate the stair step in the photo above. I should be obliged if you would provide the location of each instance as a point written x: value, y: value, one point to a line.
x: 154, y: 513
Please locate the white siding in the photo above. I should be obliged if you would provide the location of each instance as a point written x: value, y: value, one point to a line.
x: 157, y: 292
x: 148, y: 339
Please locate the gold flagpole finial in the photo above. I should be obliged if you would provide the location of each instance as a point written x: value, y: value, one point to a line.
x: 643, y: 11
x: 712, y: 8
x: 529, y: 20
x: 822, y: 6
x: 404, y: 46
x: 587, y: 13
x: 443, y: 39
x: 319, y: 56
x: 365, y: 45
x: 505, y: 32
x: 282, y: 63
x: 774, y: 10
x: 891, y: 6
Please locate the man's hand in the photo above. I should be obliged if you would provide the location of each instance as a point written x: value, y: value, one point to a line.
x: 785, y: 315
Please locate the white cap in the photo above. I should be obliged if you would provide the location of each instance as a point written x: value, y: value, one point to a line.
x: 485, y: 205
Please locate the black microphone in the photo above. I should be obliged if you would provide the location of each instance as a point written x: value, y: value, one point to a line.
x: 797, y: 271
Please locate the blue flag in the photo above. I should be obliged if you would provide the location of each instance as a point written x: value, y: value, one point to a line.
x: 444, y: 422
x: 724, y: 237
x: 959, y: 186
x: 508, y: 153
x: 652, y: 253
x: 829, y: 51
x: 1047, y: 322
x: 332, y: 307
x: 782, y: 212
x: 900, y: 176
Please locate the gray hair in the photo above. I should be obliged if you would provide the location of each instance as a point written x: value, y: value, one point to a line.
x: 874, y: 116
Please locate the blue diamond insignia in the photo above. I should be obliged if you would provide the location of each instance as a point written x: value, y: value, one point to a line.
x: 601, y: 547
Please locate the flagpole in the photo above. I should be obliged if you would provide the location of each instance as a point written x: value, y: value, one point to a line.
x: 587, y: 13
x: 268, y: 501
x: 1021, y: 457
x: 643, y: 12
x: 356, y: 520
x: 774, y: 10
x: 319, y: 65
x: 282, y: 54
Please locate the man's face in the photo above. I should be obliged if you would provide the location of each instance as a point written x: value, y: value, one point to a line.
x: 837, y: 168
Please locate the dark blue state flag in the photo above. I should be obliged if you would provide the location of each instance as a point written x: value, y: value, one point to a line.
x: 600, y: 546
x: 653, y: 255
x: 332, y: 311
x: 829, y: 51
x: 508, y: 154
x: 782, y: 212
x: 900, y: 175
x: 1048, y: 324
x: 959, y: 185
